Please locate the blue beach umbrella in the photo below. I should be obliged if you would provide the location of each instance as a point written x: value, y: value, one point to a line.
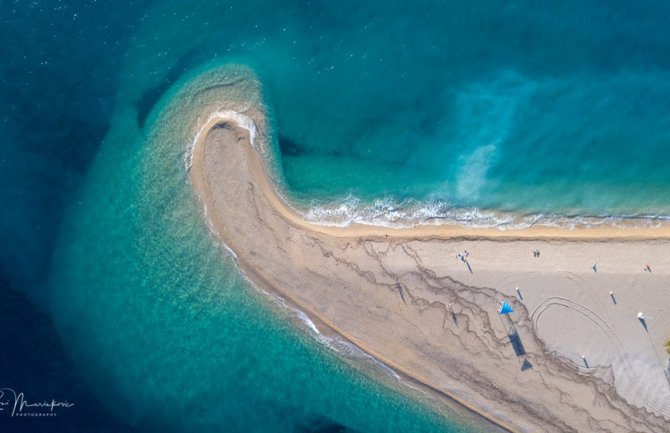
x: 505, y: 308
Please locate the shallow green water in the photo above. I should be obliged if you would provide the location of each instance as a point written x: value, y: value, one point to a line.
x: 441, y: 108
x: 170, y: 334
x: 385, y: 112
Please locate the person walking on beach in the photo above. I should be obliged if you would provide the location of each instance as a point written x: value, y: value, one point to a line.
x: 647, y: 268
x: 595, y: 267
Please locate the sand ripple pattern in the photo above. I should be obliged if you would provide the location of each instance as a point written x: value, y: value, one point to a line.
x: 378, y: 291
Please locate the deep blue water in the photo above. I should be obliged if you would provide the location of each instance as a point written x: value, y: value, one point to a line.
x: 382, y: 111
x: 34, y: 362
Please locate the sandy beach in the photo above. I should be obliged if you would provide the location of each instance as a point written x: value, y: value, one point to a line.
x: 425, y: 300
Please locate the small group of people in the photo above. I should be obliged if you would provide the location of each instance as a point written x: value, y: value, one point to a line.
x: 536, y: 253
x: 463, y: 256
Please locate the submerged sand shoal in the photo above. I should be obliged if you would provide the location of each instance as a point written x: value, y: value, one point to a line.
x: 405, y: 297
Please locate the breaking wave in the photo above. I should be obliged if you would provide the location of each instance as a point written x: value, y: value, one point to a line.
x: 334, y: 343
x: 239, y: 119
x: 389, y: 212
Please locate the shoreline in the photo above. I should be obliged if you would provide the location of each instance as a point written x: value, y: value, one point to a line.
x: 391, y: 213
x: 326, y: 327
x: 446, y: 230
x: 318, y: 328
x: 315, y: 318
x: 230, y: 197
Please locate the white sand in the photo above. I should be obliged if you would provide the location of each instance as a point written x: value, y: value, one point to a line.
x: 346, y: 278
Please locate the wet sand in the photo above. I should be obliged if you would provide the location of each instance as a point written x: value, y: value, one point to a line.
x: 405, y: 297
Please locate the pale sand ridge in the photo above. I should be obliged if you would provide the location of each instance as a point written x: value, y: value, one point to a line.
x: 403, y: 296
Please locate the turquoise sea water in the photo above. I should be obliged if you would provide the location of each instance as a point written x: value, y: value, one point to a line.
x: 492, y: 106
x: 382, y: 111
x: 185, y: 342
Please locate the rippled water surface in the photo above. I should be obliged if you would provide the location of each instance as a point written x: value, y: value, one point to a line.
x: 381, y: 112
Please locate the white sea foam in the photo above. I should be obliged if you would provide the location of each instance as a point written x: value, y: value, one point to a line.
x: 335, y: 343
x: 308, y: 322
x: 241, y: 120
x: 339, y: 345
x: 389, y: 212
x: 230, y: 251
x: 215, y: 234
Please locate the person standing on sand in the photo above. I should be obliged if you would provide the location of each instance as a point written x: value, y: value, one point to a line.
x: 595, y: 267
